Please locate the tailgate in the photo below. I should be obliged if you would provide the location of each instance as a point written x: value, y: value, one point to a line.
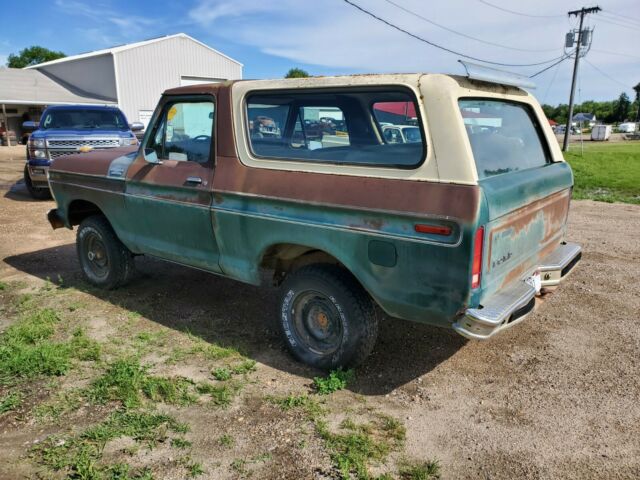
x: 518, y: 241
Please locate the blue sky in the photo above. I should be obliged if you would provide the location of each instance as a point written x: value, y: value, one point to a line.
x: 329, y: 37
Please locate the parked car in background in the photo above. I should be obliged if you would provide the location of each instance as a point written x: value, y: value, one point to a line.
x: 460, y: 231
x: 401, y: 134
x: 69, y: 130
x: 627, y: 127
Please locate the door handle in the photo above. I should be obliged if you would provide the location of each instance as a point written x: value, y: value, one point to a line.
x: 194, y: 180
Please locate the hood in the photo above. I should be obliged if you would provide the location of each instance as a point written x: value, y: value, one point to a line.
x: 84, y: 132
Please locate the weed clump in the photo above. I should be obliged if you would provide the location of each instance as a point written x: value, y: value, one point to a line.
x: 336, y: 380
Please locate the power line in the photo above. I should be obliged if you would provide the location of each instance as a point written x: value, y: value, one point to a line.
x: 607, y: 75
x: 625, y: 17
x: 428, y: 42
x: 553, y: 79
x: 415, y: 14
x: 615, y: 53
x: 564, y: 57
x: 606, y: 20
x: 498, y: 7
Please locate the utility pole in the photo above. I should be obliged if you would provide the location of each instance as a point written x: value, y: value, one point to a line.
x: 582, y: 12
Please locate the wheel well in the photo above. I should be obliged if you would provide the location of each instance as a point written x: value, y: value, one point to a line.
x: 285, y: 258
x: 78, y: 210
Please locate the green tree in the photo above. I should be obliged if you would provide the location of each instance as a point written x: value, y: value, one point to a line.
x: 637, y: 89
x: 623, y: 105
x: 32, y: 56
x: 297, y: 73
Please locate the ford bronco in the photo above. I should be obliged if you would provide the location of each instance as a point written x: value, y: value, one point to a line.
x: 72, y: 129
x: 461, y: 228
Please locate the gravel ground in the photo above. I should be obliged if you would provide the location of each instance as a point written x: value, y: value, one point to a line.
x: 554, y: 397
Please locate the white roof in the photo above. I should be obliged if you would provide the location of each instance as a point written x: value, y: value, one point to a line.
x: 129, y: 46
x: 32, y: 87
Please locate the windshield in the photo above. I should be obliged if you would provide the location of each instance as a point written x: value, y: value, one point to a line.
x: 84, y: 119
x: 412, y: 135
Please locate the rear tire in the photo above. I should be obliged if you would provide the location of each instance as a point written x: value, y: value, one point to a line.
x: 105, y: 261
x: 326, y: 318
x: 35, y: 192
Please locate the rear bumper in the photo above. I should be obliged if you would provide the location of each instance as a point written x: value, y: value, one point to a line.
x: 512, y: 305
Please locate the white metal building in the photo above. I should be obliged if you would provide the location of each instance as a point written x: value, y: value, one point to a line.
x: 132, y: 76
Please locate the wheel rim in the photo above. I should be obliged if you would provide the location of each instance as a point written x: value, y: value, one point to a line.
x: 317, y: 322
x: 96, y: 255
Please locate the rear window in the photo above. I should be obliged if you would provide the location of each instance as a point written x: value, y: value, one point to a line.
x: 343, y: 127
x: 504, y: 136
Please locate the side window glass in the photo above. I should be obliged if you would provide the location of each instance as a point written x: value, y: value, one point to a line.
x: 339, y: 126
x: 322, y: 127
x: 183, y: 133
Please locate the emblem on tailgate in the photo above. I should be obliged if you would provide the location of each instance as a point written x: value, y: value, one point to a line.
x: 501, y: 260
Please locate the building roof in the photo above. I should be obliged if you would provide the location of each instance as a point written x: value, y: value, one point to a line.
x: 129, y: 46
x: 584, y: 117
x: 32, y: 87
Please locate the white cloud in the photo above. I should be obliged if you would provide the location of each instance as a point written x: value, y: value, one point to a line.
x: 3, y: 59
x: 334, y: 35
x: 108, y: 26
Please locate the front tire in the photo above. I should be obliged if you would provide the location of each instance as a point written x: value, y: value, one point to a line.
x: 35, y: 192
x: 326, y: 318
x: 105, y: 261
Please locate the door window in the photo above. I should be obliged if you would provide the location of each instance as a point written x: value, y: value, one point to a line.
x: 183, y: 133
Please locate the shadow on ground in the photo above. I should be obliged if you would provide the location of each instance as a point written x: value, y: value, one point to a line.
x: 230, y: 313
x: 18, y: 192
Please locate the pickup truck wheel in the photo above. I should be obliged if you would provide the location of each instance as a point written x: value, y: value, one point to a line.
x: 326, y: 317
x: 37, y: 193
x: 106, y: 262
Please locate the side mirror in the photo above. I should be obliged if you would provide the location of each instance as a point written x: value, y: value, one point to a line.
x: 136, y: 126
x: 30, y: 126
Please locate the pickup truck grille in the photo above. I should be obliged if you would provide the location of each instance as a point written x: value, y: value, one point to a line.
x: 74, y: 144
x: 68, y: 146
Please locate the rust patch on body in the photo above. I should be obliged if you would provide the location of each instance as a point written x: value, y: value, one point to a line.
x: 407, y: 196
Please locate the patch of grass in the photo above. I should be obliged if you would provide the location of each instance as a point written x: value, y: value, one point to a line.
x: 226, y: 440
x: 26, y: 349
x: 222, y: 373
x: 83, y: 347
x: 180, y: 443
x: 606, y: 172
x: 247, y: 366
x: 290, y: 401
x: 10, y: 401
x: 77, y: 305
x: 336, y: 380
x: 421, y: 471
x: 355, y: 446
x: 54, y: 409
x: 202, y: 348
x: 194, y: 469
x: 79, y: 456
x: 4, y: 286
x: 127, y: 381
x: 221, y: 395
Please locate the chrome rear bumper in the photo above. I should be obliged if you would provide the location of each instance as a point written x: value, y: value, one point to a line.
x: 511, y: 305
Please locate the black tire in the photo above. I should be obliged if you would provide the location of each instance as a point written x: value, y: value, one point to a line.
x: 35, y: 192
x: 105, y: 261
x: 326, y: 318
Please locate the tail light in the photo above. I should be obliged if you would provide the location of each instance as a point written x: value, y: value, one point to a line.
x: 476, y: 270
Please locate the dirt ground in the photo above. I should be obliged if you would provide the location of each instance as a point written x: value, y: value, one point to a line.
x: 557, y: 396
